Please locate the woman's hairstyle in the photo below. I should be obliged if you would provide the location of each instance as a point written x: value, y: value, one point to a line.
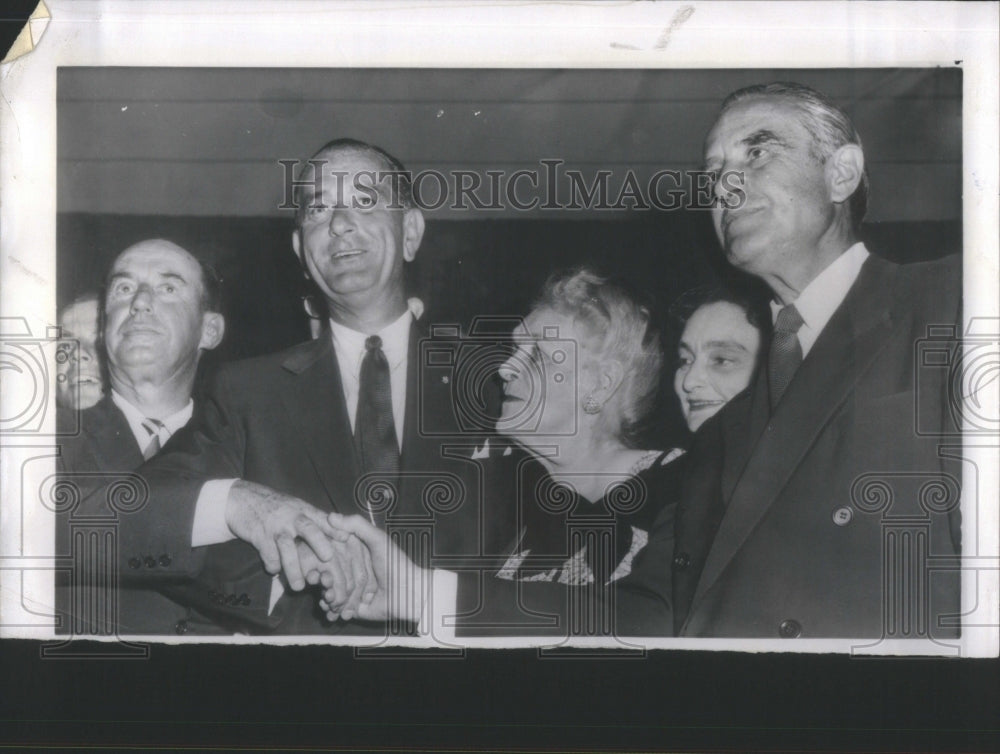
x: 753, y: 306
x: 623, y: 329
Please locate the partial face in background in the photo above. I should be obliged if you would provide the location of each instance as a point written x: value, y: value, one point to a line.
x: 155, y: 323
x: 78, y: 371
x: 355, y: 244
x: 787, y: 204
x: 716, y: 359
x: 543, y: 385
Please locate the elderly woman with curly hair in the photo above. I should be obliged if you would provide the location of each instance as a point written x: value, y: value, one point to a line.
x: 578, y: 390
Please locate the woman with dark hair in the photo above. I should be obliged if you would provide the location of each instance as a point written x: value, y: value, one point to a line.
x: 718, y: 349
x: 577, y: 390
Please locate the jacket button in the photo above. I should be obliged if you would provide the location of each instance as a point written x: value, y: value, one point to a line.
x: 842, y: 516
x: 149, y: 561
x: 789, y: 629
x: 682, y: 561
x: 181, y: 627
x: 134, y: 563
x: 165, y: 561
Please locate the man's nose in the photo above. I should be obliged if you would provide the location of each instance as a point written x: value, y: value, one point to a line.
x: 82, y: 354
x: 508, y: 371
x: 142, y: 301
x: 341, y: 221
x: 728, y: 185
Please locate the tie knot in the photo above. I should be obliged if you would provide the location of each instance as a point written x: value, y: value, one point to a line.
x: 373, y: 343
x: 789, y: 320
x: 153, y: 426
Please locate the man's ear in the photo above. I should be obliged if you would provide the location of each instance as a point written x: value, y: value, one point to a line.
x: 213, y: 327
x: 413, y: 232
x: 844, y: 169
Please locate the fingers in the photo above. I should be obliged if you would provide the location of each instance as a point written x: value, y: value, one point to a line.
x: 359, y: 576
x: 269, y: 555
x: 371, y: 583
x: 314, y: 537
x: 290, y: 562
x: 374, y: 539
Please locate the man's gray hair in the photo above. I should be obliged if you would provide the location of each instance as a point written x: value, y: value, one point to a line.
x: 828, y: 125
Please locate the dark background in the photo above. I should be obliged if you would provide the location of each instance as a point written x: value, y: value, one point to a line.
x: 192, y: 155
x: 321, y: 699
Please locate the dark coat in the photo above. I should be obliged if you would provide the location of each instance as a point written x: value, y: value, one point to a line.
x: 281, y: 420
x: 104, y: 449
x: 837, y: 515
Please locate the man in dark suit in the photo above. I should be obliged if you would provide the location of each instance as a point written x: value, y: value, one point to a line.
x: 333, y: 424
x: 161, y: 313
x: 816, y: 505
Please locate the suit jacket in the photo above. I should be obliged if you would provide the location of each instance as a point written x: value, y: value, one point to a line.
x: 106, y: 447
x: 836, y: 515
x: 281, y: 420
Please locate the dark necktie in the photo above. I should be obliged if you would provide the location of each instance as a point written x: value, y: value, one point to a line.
x: 785, y: 354
x: 153, y: 427
x: 374, y: 427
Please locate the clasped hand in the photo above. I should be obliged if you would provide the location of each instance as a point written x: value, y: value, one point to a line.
x: 361, y: 572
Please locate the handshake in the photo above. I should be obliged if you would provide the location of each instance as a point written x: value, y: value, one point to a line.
x: 361, y: 572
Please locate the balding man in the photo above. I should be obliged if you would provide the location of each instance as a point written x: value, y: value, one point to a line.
x: 161, y: 313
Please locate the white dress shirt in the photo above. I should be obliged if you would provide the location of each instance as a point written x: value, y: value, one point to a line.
x: 209, y: 526
x: 349, y: 346
x: 825, y: 293
x: 135, y: 419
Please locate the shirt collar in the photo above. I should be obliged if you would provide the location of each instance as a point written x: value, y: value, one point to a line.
x: 819, y: 300
x: 135, y: 417
x: 350, y: 344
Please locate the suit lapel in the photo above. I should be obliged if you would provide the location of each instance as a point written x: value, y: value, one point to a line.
x: 841, y: 355
x: 111, y: 439
x: 743, y: 422
x: 316, y: 407
x: 419, y: 453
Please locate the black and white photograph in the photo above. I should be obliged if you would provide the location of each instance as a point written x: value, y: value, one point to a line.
x: 416, y: 353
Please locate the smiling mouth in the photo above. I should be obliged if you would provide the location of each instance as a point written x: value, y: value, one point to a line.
x: 86, y: 380
x: 702, y: 405
x: 347, y: 253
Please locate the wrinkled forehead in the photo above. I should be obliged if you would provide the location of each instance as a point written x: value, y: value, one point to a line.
x: 155, y: 260
x: 742, y: 119
x: 343, y: 168
x: 552, y: 329
x: 721, y: 321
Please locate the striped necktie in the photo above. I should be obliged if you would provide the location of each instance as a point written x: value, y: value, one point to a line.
x: 785, y: 353
x: 153, y: 427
